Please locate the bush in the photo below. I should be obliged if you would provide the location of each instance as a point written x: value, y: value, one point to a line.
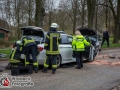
x: 12, y: 39
x: 4, y: 44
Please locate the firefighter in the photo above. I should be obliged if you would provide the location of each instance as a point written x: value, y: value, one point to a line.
x: 52, y: 48
x: 30, y: 48
x: 15, y: 55
x: 79, y: 47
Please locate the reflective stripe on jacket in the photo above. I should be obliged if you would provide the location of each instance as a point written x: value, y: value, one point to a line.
x: 52, y: 43
x: 15, y: 54
x: 28, y: 41
x: 78, y: 43
x: 73, y: 46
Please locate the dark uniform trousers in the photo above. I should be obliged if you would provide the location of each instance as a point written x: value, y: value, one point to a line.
x: 31, y: 50
x: 52, y: 59
x: 107, y: 39
x: 79, y: 59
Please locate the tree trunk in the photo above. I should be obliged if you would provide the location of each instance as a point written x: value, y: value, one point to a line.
x: 40, y: 13
x: 96, y: 17
x: 50, y: 16
x: 116, y: 31
x: 74, y: 16
x: 91, y: 12
x: 116, y: 21
x: 17, y: 17
x: 118, y: 14
x: 29, y: 12
x: 18, y: 30
x: 106, y: 13
x: 83, y: 13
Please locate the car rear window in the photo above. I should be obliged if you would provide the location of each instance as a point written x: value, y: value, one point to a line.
x: 37, y: 39
x: 35, y: 33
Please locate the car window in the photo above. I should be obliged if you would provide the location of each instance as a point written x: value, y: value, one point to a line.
x: 61, y: 32
x: 37, y: 39
x: 64, y: 39
x: 69, y: 38
x: 33, y: 33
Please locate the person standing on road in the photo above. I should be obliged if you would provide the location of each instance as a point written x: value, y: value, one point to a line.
x: 79, y: 46
x: 105, y: 37
x: 30, y: 48
x: 52, y: 48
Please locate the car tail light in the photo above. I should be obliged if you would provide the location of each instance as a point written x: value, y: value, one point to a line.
x: 40, y: 48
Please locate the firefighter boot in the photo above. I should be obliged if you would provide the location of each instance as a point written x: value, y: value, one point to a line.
x: 53, y: 71
x: 36, y: 70
x: 44, y: 70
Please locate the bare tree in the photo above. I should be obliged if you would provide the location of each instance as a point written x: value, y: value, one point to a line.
x: 39, y: 13
x: 116, y: 20
x: 74, y: 15
x: 83, y: 12
x: 91, y: 12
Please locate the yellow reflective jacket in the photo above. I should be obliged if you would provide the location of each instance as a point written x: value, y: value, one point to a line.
x: 79, y: 43
x: 27, y: 41
x: 73, y: 46
x: 52, y: 42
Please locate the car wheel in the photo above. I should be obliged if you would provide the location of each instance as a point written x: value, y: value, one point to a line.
x: 92, y: 55
x: 58, y: 61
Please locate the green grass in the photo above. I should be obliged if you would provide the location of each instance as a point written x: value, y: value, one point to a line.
x: 12, y: 39
x: 5, y: 48
x: 6, y: 51
x: 111, y: 45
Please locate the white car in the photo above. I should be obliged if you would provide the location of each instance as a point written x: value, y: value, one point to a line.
x: 66, y: 51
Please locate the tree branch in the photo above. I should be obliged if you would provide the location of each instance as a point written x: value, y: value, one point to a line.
x: 104, y: 5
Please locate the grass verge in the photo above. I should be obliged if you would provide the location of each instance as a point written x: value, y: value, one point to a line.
x: 6, y: 51
x: 111, y: 45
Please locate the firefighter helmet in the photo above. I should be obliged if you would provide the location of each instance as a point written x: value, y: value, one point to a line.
x: 54, y: 25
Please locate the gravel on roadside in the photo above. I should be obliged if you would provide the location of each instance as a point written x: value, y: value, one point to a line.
x: 116, y: 88
x: 4, y: 59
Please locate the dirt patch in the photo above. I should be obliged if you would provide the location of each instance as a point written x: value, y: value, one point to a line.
x: 105, y: 62
x: 4, y: 59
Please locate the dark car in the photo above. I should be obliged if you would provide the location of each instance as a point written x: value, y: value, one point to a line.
x: 94, y: 38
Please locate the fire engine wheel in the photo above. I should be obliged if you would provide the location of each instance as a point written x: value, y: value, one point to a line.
x: 58, y: 61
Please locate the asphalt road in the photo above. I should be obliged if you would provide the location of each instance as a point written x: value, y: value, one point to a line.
x: 102, y: 74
